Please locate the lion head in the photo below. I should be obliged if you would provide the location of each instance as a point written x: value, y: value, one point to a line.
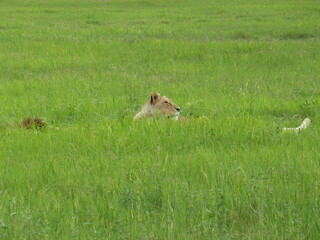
x: 158, y: 105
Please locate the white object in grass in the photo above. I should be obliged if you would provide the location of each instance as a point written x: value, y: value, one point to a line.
x: 304, y: 125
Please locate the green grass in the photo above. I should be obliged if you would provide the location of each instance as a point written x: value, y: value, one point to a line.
x: 86, y: 67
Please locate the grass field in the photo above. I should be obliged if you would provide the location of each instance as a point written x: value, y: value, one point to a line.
x: 87, y: 66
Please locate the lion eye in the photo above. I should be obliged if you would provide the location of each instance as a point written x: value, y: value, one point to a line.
x: 166, y: 102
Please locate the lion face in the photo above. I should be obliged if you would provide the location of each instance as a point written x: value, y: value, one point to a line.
x: 164, y: 105
x: 158, y: 105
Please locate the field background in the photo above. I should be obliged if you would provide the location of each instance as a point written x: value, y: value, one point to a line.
x: 86, y: 67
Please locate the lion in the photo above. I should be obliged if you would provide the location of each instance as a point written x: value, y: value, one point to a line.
x: 162, y: 106
x: 158, y: 106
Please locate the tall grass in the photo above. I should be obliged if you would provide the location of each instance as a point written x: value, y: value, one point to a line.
x: 86, y: 67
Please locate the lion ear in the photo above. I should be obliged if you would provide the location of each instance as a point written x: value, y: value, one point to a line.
x: 154, y: 97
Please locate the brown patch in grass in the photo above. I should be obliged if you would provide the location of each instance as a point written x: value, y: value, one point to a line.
x: 241, y: 35
x: 297, y: 36
x: 37, y: 123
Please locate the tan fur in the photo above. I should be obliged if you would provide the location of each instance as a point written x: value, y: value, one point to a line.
x: 304, y: 125
x: 183, y: 119
x: 158, y: 106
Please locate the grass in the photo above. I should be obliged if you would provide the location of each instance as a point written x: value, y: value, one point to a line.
x: 86, y: 67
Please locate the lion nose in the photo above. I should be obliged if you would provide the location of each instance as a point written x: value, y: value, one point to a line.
x: 178, y: 109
